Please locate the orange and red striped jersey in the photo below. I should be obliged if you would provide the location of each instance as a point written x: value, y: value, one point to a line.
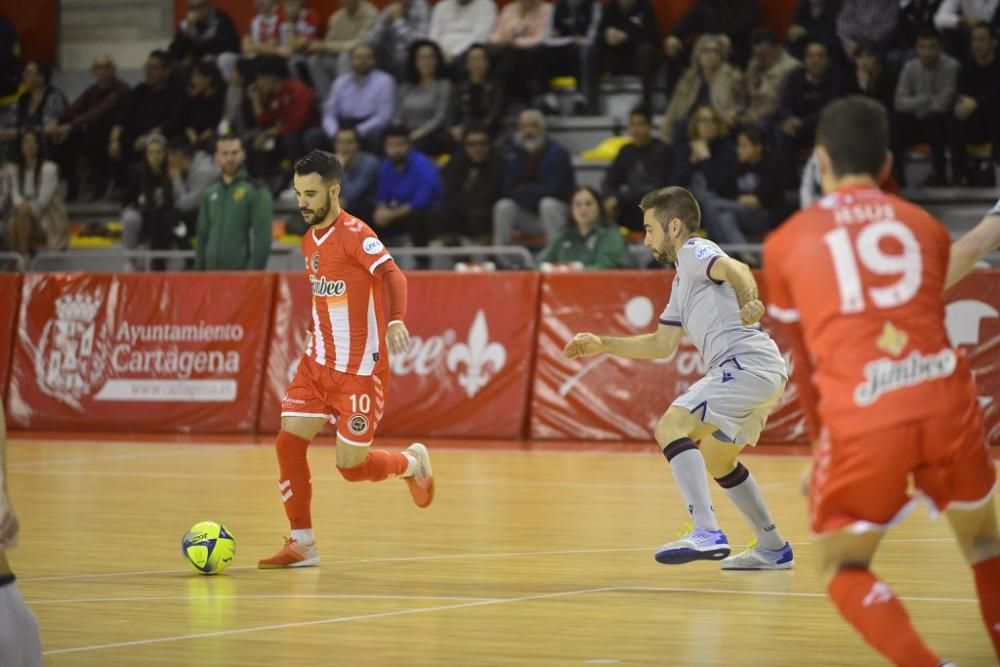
x: 348, y: 321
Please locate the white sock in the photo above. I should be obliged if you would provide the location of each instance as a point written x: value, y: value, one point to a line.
x: 411, y: 465
x: 745, y: 494
x: 303, y: 535
x: 688, y: 466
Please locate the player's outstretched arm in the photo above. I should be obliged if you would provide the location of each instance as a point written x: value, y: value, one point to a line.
x: 981, y: 241
x: 740, y: 278
x: 657, y: 345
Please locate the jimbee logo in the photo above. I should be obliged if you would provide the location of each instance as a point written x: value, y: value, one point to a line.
x: 357, y: 424
x: 323, y: 287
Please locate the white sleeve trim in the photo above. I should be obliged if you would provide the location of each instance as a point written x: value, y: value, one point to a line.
x: 379, y: 262
x: 786, y: 315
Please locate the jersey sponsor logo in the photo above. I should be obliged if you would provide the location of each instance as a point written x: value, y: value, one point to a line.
x: 372, y: 246
x: 885, y: 375
x: 704, y: 251
x: 313, y: 263
x: 726, y: 376
x: 473, y: 362
x: 357, y: 424
x: 323, y: 287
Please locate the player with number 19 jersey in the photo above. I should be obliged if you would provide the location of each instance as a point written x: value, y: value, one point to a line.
x: 863, y: 273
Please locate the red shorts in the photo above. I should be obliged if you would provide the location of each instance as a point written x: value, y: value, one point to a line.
x: 861, y: 483
x: 354, y: 403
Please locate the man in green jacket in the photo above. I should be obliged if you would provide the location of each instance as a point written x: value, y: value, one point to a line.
x: 234, y: 223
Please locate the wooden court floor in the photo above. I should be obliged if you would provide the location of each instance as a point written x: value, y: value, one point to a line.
x: 526, y: 558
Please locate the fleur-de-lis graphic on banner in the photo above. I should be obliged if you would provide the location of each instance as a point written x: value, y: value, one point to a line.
x: 479, y: 356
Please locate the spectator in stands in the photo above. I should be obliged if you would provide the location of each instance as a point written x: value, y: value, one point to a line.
x: 363, y: 98
x: 759, y: 191
x: 151, y: 107
x: 589, y: 240
x: 814, y: 21
x: 234, y: 221
x: 284, y: 109
x: 206, y: 31
x: 39, y: 106
x: 200, y: 110
x: 733, y: 18
x: 708, y: 163
x: 628, y: 43
x: 424, y: 99
x: 473, y: 181
x: 264, y: 36
x: 409, y: 189
x: 807, y: 91
x: 359, y: 183
x: 516, y: 40
x: 924, y: 99
x: 148, y: 203
x: 871, y: 20
x: 10, y: 55
x: 39, y: 216
x: 85, y: 127
x: 914, y: 16
x: 299, y: 29
x: 401, y: 23
x: 237, y: 110
x: 538, y: 182
x: 191, y: 171
x: 765, y: 77
x: 570, y: 49
x: 976, y: 110
x: 458, y: 24
x: 955, y: 18
x: 478, y: 98
x: 872, y: 76
x: 639, y: 168
x: 709, y: 79
x: 345, y: 29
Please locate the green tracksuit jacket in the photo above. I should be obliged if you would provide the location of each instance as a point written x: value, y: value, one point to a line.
x: 234, y: 226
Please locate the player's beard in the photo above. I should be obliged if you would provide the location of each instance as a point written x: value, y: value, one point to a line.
x: 317, y: 217
x: 665, y: 253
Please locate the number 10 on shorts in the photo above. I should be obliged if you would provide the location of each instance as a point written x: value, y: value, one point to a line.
x: 360, y: 403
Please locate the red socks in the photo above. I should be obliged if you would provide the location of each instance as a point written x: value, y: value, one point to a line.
x: 378, y: 465
x: 987, y: 576
x: 872, y: 608
x: 295, y: 482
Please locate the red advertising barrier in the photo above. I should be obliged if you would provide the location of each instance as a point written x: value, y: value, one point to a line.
x: 606, y: 398
x: 10, y: 296
x: 467, y: 372
x: 179, y: 352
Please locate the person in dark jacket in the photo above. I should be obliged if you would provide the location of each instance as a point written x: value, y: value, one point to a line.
x: 708, y: 162
x: 538, y: 182
x: 628, y: 42
x: 589, y: 240
x: 756, y: 208
x: 872, y: 75
x: 200, y: 110
x: 814, y: 21
x: 570, y: 49
x: 478, y: 99
x: 149, y: 211
x: 976, y: 113
x: 206, y: 31
x: 640, y: 167
x: 234, y: 223
x: 359, y: 183
x: 473, y: 181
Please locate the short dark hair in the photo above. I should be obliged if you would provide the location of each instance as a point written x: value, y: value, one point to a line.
x: 43, y: 70
x: 753, y: 133
x: 643, y: 110
x: 179, y: 144
x: 352, y: 130
x: 673, y: 202
x: 397, y: 130
x: 475, y: 128
x: 320, y: 162
x: 162, y: 56
x: 275, y: 66
x: 982, y: 25
x: 763, y: 36
x: 854, y: 132
x: 928, y: 32
x: 229, y: 136
x: 868, y: 47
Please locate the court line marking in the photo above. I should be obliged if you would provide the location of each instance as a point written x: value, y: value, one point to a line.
x: 794, y: 594
x: 397, y: 559
x: 187, y: 598
x: 26, y: 465
x: 325, y: 621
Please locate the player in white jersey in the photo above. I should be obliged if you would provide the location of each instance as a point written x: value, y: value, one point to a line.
x: 981, y: 241
x: 713, y: 299
x: 20, y: 645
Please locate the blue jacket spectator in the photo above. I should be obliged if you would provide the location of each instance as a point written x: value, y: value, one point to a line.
x: 409, y: 189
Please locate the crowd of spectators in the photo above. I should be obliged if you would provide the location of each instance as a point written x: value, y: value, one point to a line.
x: 439, y: 115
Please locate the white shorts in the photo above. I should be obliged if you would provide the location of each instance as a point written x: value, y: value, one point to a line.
x: 735, y: 401
x: 20, y: 645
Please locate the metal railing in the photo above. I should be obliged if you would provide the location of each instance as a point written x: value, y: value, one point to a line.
x: 478, y: 252
x: 11, y: 261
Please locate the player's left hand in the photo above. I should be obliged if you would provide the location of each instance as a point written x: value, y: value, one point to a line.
x: 751, y: 312
x: 397, y: 337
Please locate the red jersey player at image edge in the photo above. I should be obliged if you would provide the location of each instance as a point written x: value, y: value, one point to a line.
x: 343, y: 376
x: 859, y: 278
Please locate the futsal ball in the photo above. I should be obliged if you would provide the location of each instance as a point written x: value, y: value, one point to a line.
x: 208, y: 547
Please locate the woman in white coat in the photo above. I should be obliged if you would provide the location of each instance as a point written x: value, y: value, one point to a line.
x: 39, y: 216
